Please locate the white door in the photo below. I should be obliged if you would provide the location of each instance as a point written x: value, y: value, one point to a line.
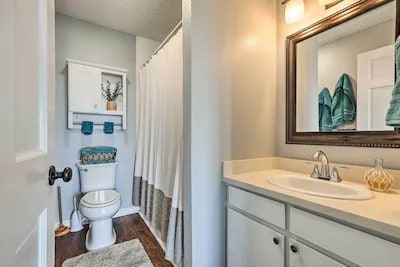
x: 375, y: 80
x: 26, y: 126
x: 249, y: 243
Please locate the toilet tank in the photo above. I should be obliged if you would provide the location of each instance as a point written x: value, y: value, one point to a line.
x: 95, y: 177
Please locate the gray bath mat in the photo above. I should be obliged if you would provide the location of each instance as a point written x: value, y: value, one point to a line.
x: 127, y: 254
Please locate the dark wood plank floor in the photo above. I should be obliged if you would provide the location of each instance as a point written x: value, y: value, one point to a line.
x: 127, y: 228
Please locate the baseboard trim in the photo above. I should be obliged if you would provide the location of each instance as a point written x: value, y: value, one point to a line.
x: 127, y: 211
x: 153, y: 231
x: 122, y: 212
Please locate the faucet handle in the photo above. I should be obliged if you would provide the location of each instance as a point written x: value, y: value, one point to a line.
x: 335, y: 177
x: 315, y: 171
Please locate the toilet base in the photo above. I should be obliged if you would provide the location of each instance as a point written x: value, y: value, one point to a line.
x: 100, y: 234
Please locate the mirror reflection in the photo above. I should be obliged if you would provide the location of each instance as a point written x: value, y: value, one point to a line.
x: 345, y: 75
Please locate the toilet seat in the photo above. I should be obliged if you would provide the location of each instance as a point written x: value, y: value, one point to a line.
x: 100, y: 198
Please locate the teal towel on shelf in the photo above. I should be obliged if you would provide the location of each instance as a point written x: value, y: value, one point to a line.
x: 108, y: 127
x: 393, y: 114
x: 325, y: 116
x: 87, y: 127
x: 343, y: 102
x: 98, y: 154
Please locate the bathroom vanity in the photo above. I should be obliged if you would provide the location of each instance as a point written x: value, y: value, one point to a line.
x: 271, y: 226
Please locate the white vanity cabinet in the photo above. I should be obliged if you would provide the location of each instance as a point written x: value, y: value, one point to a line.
x: 266, y: 209
x: 251, y: 243
x: 353, y: 245
x: 265, y: 232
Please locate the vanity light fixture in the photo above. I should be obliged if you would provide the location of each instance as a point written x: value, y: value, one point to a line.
x: 325, y: 2
x: 294, y: 10
x: 328, y: 3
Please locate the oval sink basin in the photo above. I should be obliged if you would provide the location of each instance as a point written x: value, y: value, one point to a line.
x: 316, y: 187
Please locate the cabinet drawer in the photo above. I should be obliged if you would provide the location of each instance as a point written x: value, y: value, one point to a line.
x: 308, y: 257
x: 266, y: 209
x: 356, y: 246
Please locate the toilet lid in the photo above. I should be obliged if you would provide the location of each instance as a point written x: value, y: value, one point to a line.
x: 100, y: 197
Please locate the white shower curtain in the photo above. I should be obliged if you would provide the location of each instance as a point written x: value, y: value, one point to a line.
x: 158, y: 164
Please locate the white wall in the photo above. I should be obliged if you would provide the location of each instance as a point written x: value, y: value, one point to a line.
x: 230, y: 100
x: 349, y: 155
x: 145, y: 48
x: 81, y: 40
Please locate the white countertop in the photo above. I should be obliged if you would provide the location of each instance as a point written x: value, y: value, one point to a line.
x: 379, y: 216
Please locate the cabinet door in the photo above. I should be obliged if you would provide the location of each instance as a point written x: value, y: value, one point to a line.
x: 252, y: 244
x: 84, y: 88
x: 301, y: 255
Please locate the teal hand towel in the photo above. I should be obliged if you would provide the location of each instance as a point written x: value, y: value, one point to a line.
x: 87, y: 127
x: 393, y: 114
x: 325, y: 116
x: 108, y: 127
x: 343, y: 102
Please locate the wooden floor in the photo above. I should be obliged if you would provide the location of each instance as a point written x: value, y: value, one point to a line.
x: 127, y: 228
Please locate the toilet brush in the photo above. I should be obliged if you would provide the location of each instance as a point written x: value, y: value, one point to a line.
x: 62, y: 229
x: 76, y: 219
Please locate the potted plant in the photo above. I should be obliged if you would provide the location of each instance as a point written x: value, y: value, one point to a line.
x: 111, y: 96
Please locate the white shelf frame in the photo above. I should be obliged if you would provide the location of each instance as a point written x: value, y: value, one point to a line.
x: 107, y: 70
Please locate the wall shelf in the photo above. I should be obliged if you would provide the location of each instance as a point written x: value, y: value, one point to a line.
x: 107, y: 112
x: 85, y: 98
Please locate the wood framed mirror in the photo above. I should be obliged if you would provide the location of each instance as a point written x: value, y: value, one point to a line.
x: 337, y: 52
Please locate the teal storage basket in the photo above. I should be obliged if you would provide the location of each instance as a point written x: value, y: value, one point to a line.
x: 98, y: 155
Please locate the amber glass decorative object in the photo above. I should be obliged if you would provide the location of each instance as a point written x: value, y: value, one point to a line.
x: 378, y: 178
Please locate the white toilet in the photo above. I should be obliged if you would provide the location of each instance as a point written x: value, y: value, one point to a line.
x: 100, y: 203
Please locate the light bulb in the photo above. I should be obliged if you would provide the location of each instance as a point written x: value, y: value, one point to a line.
x: 294, y: 11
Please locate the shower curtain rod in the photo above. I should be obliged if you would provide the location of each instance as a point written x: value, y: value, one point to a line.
x: 169, y: 36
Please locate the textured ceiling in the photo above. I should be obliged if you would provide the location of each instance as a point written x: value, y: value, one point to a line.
x: 148, y: 18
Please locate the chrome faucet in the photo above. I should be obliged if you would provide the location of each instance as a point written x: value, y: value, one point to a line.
x: 324, y: 172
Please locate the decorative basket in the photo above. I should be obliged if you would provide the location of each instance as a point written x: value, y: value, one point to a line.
x: 98, y: 155
x: 378, y: 178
